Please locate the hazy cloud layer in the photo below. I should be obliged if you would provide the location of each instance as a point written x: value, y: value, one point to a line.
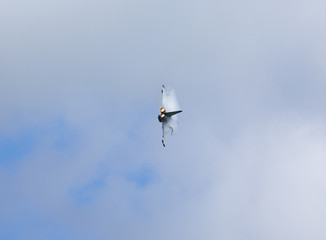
x: 80, y: 144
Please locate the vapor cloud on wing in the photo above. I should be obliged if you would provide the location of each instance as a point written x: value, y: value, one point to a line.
x: 170, y: 104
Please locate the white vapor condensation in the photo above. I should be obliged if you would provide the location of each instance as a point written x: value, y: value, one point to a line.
x: 169, y: 100
x: 170, y: 103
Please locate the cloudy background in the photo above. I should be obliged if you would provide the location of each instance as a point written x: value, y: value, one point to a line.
x: 80, y: 144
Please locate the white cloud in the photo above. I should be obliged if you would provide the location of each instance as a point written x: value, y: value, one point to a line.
x: 248, y: 161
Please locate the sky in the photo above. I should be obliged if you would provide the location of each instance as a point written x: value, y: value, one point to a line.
x: 80, y: 145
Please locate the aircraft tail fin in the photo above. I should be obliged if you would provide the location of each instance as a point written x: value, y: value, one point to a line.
x: 169, y: 114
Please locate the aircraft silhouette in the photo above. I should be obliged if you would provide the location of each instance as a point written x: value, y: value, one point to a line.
x: 168, y: 113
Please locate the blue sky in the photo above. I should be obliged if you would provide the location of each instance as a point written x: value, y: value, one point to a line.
x: 80, y: 145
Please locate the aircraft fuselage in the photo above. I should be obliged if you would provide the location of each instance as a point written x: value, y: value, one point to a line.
x: 165, y: 115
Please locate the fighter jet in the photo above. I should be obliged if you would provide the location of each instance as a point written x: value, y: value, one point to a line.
x: 168, y: 113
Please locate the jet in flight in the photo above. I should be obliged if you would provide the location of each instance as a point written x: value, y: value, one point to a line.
x: 168, y: 113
